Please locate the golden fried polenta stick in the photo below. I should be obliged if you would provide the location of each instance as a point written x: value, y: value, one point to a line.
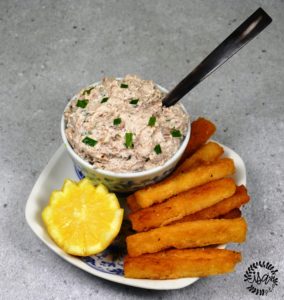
x: 187, y: 235
x: 234, y: 213
x: 163, y: 190
x: 181, y: 263
x: 183, y: 204
x: 206, y: 153
x: 221, y: 208
x: 201, y: 131
x: 132, y: 203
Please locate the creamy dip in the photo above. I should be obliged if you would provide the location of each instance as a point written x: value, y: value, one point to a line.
x: 121, y: 125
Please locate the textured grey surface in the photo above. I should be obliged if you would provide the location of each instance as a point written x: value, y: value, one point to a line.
x: 50, y: 49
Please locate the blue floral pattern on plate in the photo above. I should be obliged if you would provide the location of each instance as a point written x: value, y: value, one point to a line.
x: 111, y: 260
x: 79, y: 173
x: 105, y: 262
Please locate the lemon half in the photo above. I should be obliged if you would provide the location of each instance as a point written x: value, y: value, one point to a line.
x: 83, y: 219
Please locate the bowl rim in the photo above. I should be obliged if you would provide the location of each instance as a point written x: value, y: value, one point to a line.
x: 122, y: 175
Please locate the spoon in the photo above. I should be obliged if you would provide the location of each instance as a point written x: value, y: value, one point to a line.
x: 249, y: 29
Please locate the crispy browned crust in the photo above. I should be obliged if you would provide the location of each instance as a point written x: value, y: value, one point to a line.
x: 221, y: 208
x: 161, y: 191
x: 132, y: 203
x: 181, y: 263
x: 234, y: 213
x: 206, y: 153
x: 201, y: 131
x: 183, y: 204
x: 187, y: 235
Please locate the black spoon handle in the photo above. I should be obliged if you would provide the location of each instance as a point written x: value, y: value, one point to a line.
x: 249, y: 29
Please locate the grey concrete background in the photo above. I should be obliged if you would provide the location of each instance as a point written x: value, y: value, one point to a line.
x: 50, y: 49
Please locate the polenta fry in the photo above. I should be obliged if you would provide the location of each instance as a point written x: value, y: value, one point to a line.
x: 161, y: 191
x: 201, y: 131
x: 132, y: 203
x: 187, y: 235
x: 183, y: 204
x: 207, y: 153
x: 233, y: 214
x: 221, y: 208
x: 181, y: 263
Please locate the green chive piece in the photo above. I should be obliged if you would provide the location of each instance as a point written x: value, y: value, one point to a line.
x: 152, y: 121
x: 88, y: 91
x: 158, y: 149
x: 82, y: 103
x: 134, y: 101
x: 88, y: 141
x: 176, y: 133
x: 117, y: 121
x: 104, y: 99
x: 124, y: 85
x: 128, y: 140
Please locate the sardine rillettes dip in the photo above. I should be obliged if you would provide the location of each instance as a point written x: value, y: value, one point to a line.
x: 121, y: 125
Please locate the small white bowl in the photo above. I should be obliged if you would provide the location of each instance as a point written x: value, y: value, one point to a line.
x: 126, y: 181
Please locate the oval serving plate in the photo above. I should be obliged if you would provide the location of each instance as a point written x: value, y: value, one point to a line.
x: 109, y: 263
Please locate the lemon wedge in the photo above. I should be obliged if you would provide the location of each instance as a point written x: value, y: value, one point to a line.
x: 83, y: 219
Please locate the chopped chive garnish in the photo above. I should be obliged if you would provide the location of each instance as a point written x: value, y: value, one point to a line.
x: 82, y: 103
x: 176, y: 133
x: 88, y: 91
x: 158, y: 149
x: 117, y: 121
x: 152, y: 121
x: 124, y: 85
x: 134, y: 101
x: 88, y: 141
x: 128, y: 140
x: 104, y: 100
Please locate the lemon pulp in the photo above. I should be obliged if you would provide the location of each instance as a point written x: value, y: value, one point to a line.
x: 83, y: 219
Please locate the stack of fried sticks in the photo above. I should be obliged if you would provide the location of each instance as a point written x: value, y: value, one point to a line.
x: 181, y: 220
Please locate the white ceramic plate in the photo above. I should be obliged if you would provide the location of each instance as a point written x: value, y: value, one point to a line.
x: 106, y: 265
